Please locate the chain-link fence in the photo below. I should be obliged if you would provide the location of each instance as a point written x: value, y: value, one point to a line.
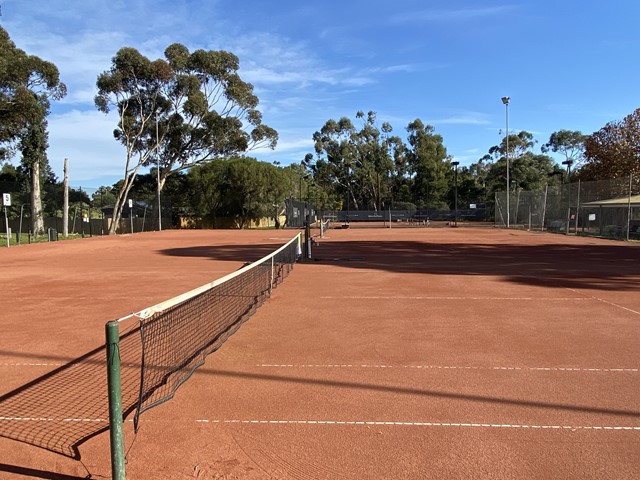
x: 605, y: 208
x: 90, y: 212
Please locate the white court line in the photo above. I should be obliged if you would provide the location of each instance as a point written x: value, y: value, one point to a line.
x: 422, y: 297
x: 48, y: 419
x: 604, y: 301
x: 426, y: 424
x: 634, y: 428
x: 451, y: 367
x: 23, y: 364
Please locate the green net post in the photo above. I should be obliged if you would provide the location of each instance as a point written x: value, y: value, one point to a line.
x: 116, y: 433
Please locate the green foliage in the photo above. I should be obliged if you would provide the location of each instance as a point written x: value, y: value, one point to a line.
x: 427, y: 160
x: 181, y: 111
x: 240, y: 187
x: 27, y: 83
x: 570, y: 144
x: 357, y: 165
x: 527, y: 170
x: 614, y: 150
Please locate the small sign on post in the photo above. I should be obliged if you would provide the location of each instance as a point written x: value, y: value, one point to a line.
x: 131, y: 214
x: 6, y: 202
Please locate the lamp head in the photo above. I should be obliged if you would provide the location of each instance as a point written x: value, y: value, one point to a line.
x: 505, y: 100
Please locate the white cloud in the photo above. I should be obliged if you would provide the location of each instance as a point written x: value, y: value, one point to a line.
x: 85, y: 139
x: 470, y: 118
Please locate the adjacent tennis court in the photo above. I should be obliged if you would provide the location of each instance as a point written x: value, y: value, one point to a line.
x: 393, y: 353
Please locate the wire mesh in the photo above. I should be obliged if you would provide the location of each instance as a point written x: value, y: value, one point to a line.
x: 177, y: 337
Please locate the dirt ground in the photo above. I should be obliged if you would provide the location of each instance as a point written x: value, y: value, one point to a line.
x: 393, y: 353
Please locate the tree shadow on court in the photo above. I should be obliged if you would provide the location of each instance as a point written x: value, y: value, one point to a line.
x: 235, y: 253
x: 421, y: 392
x: 599, y: 267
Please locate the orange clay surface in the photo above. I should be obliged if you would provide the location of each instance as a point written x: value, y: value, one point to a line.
x: 415, y: 353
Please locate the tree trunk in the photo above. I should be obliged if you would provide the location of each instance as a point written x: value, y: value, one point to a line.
x: 121, y: 200
x: 37, y: 220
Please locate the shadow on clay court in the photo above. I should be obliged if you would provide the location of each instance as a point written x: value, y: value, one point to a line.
x: 599, y: 267
x: 33, y: 473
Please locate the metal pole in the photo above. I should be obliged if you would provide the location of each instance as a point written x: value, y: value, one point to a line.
x: 6, y: 225
x: 158, y: 174
x: 506, y: 100
x: 508, y: 180
x: 300, y: 211
x: 456, y: 195
x: 629, y: 206
x: 20, y: 227
x: 568, y: 164
x: 578, y: 207
x: 116, y: 433
x: 544, y: 209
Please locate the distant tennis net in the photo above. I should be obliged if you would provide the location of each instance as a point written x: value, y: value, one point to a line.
x: 173, y: 338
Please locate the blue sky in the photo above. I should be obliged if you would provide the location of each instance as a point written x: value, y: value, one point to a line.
x: 566, y: 64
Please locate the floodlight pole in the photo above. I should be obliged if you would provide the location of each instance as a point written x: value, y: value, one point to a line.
x: 455, y: 164
x: 158, y: 174
x: 505, y: 100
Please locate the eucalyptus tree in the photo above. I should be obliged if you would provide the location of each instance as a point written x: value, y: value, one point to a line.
x: 27, y: 85
x: 527, y: 170
x: 428, y: 165
x: 180, y: 111
x: 569, y: 143
x: 358, y: 163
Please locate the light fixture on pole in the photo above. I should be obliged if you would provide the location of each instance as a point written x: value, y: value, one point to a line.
x: 505, y: 100
x: 455, y: 164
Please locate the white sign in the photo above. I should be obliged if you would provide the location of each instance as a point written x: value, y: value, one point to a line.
x: 6, y: 199
x: 472, y: 205
x: 130, y: 203
x: 592, y: 217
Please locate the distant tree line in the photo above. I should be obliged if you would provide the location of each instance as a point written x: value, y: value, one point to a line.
x: 192, y: 116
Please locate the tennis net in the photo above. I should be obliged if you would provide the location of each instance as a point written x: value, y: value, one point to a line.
x: 172, y: 339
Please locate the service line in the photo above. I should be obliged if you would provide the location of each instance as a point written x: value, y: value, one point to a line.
x: 633, y: 428
x: 452, y: 367
x: 427, y: 424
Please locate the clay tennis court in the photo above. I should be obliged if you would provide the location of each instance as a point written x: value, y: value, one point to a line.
x: 394, y: 353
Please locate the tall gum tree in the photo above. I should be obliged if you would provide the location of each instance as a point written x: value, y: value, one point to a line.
x: 27, y: 85
x: 358, y: 163
x: 178, y: 112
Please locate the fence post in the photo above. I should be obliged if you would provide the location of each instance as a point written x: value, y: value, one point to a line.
x: 578, y: 208
x: 629, y: 206
x: 544, y: 208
